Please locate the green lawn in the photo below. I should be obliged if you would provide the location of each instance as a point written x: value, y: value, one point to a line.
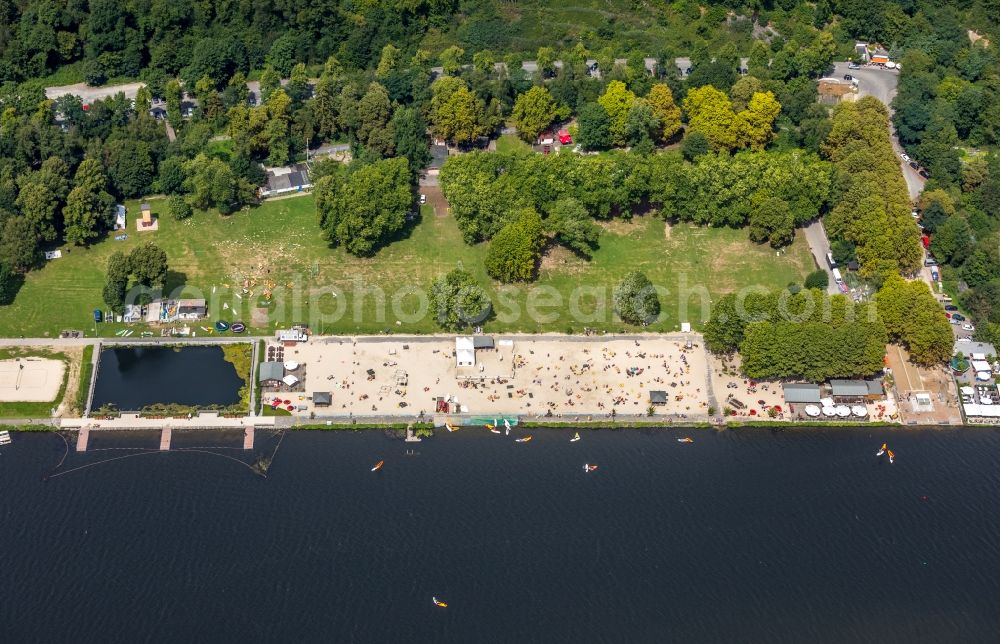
x: 508, y: 143
x: 211, y: 256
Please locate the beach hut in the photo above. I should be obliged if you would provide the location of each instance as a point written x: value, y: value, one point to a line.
x: 848, y: 391
x: 801, y: 393
x: 658, y: 398
x: 322, y: 398
x: 270, y: 373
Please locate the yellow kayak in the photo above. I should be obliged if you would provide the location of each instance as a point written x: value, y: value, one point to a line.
x: 522, y: 440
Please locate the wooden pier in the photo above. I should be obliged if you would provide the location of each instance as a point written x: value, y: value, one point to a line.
x: 82, y: 438
x: 165, y: 438
x: 248, y: 437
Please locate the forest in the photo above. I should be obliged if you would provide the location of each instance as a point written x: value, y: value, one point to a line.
x: 749, y: 147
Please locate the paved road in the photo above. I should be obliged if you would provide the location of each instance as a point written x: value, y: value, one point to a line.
x: 90, y: 94
x: 820, y: 246
x: 881, y: 83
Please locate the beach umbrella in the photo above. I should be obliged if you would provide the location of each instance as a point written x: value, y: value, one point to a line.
x: 290, y: 408
x: 753, y: 412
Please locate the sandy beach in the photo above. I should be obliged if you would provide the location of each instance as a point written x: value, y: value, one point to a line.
x: 561, y: 376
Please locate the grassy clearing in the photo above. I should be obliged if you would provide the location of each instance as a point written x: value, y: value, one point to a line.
x: 508, y: 143
x: 86, y: 374
x: 211, y: 255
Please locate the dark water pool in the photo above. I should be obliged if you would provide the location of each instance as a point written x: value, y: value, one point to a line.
x: 131, y: 378
x: 741, y: 536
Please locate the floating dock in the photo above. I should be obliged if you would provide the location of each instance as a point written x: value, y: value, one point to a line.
x: 82, y: 439
x: 4, y: 437
x: 248, y: 437
x: 165, y: 438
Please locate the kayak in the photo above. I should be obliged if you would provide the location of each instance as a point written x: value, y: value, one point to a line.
x: 575, y: 438
x: 439, y: 603
x: 378, y: 466
x: 238, y: 327
x: 685, y: 440
x: 522, y: 440
x: 222, y: 325
x: 881, y: 450
x: 892, y: 457
x: 587, y: 467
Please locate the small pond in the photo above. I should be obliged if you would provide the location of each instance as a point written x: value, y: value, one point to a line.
x: 131, y: 378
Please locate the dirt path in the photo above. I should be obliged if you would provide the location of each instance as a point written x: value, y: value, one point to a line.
x: 436, y: 200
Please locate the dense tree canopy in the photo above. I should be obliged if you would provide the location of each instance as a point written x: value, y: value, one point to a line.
x: 458, y: 301
x: 364, y: 210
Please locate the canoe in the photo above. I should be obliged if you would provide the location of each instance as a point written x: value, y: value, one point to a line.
x: 378, y: 466
x: 522, y: 440
x: 439, y: 603
x: 685, y: 440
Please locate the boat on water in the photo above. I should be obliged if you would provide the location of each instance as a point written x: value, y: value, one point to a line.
x: 589, y: 467
x: 506, y: 425
x: 439, y: 603
x: 524, y: 439
x: 685, y: 440
x: 881, y: 450
x: 575, y: 438
x: 378, y: 466
x: 221, y: 325
x: 892, y: 457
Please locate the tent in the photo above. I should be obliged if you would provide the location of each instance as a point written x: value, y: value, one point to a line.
x: 465, y: 351
x: 981, y: 365
x: 812, y: 410
x: 290, y: 380
x: 291, y: 365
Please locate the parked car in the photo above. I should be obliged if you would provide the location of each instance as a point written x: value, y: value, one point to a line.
x: 954, y: 321
x: 848, y: 77
x: 963, y: 339
x: 423, y: 199
x: 904, y: 157
x: 968, y: 327
x: 950, y: 307
x: 958, y: 317
x: 924, y: 174
x: 930, y: 261
x: 853, y: 66
x: 914, y: 165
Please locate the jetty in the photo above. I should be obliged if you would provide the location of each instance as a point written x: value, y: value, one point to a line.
x: 4, y: 437
x: 83, y: 438
x: 248, y: 432
x: 165, y: 436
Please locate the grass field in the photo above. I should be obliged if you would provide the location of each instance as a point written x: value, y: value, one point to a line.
x: 511, y: 143
x: 211, y: 256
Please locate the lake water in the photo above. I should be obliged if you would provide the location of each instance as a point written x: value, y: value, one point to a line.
x: 131, y: 378
x: 742, y: 536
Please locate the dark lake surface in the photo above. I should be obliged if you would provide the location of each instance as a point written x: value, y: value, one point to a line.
x: 742, y: 536
x: 134, y: 377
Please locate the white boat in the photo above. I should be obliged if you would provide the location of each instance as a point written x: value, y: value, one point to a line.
x: 506, y: 424
x: 4, y: 437
x: 575, y: 438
